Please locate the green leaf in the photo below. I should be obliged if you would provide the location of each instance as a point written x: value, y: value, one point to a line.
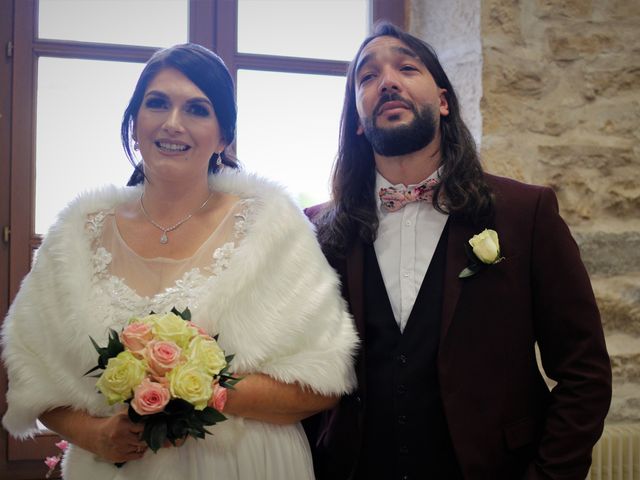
x: 177, y: 427
x: 95, y: 345
x: 97, y: 367
x: 228, y: 381
x: 155, y: 433
x: 114, y: 347
x: 178, y: 406
x: 469, y: 271
x: 185, y: 314
x: 210, y: 416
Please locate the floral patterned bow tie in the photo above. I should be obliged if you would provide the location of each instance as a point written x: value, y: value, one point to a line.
x: 394, y: 198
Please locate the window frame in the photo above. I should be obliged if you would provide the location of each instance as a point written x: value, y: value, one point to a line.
x: 212, y: 23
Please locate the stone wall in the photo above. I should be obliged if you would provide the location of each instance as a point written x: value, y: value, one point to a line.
x: 561, y: 107
x: 452, y: 28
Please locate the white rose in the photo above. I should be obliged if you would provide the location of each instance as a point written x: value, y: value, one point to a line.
x: 486, y: 246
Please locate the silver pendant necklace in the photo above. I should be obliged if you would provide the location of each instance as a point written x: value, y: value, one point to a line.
x: 164, y: 239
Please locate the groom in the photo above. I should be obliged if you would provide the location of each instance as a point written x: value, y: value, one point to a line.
x: 449, y: 387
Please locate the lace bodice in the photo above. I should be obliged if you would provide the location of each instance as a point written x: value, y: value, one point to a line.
x: 126, y: 284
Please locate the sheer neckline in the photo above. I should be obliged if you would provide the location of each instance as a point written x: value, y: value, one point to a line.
x: 232, y: 210
x: 140, y: 283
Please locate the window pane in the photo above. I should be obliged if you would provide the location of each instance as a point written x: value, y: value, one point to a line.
x: 154, y: 23
x: 330, y: 29
x: 80, y: 107
x: 288, y: 129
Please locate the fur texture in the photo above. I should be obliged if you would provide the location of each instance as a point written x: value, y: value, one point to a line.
x: 277, y: 307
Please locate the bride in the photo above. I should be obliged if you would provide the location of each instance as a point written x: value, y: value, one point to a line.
x: 191, y: 231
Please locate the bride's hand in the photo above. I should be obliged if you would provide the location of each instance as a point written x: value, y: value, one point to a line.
x: 117, y: 439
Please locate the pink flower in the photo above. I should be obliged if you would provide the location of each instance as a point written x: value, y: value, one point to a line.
x: 51, y: 462
x: 201, y: 331
x: 219, y: 397
x: 135, y: 336
x: 62, y: 445
x: 164, y: 381
x: 150, y: 397
x: 162, y: 356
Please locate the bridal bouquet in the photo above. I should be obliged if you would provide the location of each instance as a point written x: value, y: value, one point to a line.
x: 170, y: 372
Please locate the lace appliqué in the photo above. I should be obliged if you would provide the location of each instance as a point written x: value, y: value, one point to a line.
x: 95, y: 223
x: 101, y: 260
x: 102, y: 257
x: 221, y: 258
x: 240, y: 227
x: 222, y: 255
x: 121, y: 301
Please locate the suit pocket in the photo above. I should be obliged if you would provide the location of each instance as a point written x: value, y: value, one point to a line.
x: 520, y: 433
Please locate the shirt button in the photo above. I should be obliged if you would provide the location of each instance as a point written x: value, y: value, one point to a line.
x: 403, y: 449
x: 405, y: 275
x: 402, y: 389
x: 408, y: 223
x: 402, y: 420
x: 402, y: 359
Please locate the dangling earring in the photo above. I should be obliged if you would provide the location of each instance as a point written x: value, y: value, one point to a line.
x: 136, y: 146
x: 219, y: 164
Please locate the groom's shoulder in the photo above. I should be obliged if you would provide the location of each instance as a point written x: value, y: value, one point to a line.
x: 514, y: 201
x: 508, y: 191
x: 511, y: 186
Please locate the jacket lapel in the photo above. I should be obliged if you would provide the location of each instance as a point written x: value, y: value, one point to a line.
x: 459, y: 233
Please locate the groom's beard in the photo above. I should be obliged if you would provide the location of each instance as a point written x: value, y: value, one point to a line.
x: 403, y: 139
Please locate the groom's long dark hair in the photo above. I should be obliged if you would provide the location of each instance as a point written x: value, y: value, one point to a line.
x: 351, y: 214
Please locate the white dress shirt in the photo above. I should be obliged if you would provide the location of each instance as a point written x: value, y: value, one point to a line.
x: 405, y: 245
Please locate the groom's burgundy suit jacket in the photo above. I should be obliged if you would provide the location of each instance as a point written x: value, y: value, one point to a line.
x: 502, y: 418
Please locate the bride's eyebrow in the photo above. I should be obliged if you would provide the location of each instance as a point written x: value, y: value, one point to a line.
x: 200, y: 100
x: 156, y: 93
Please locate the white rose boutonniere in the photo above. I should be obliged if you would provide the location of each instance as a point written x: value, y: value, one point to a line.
x: 483, y: 249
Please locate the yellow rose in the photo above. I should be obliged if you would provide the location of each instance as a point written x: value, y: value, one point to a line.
x: 191, y: 383
x: 207, y: 354
x: 149, y: 319
x: 172, y: 328
x: 122, y: 375
x: 486, y: 246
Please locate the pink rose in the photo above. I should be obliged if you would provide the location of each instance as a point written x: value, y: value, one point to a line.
x: 135, y: 336
x: 62, y: 445
x: 51, y: 462
x: 201, y: 331
x: 150, y: 397
x: 162, y: 380
x: 162, y: 356
x: 219, y: 397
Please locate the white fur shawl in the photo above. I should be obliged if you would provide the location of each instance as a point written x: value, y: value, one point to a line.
x: 277, y: 307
